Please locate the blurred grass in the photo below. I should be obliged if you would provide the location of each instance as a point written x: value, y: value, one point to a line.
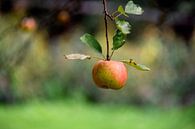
x: 77, y: 115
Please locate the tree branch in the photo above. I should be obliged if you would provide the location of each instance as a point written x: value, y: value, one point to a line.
x: 106, y: 27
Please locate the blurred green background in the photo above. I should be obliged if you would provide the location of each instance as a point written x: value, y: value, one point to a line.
x: 39, y: 89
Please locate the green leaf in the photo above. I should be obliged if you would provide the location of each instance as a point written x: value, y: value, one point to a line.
x: 123, y: 26
x: 122, y: 11
x: 77, y: 56
x: 132, y: 63
x: 118, y: 40
x: 132, y: 8
x: 92, y: 42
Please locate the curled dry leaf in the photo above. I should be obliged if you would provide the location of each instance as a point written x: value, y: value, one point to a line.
x: 77, y: 57
x: 132, y: 63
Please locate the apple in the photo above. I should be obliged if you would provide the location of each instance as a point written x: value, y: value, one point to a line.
x: 64, y: 17
x: 29, y: 24
x: 109, y: 74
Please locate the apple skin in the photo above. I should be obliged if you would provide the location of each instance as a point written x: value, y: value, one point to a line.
x: 110, y: 74
x: 29, y: 24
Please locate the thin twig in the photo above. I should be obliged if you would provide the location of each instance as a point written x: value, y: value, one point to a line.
x: 118, y: 15
x: 114, y: 13
x: 110, y: 16
x: 106, y: 27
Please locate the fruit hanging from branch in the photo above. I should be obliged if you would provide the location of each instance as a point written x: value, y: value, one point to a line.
x: 107, y: 73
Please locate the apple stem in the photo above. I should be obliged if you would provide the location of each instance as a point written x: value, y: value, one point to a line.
x: 106, y: 27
